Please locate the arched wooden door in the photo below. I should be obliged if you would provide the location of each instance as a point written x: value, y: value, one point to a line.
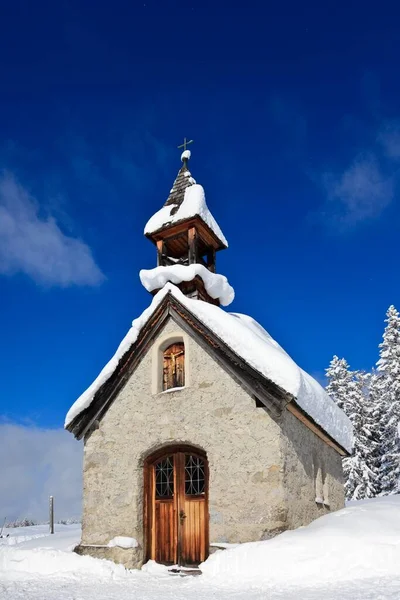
x: 176, y: 506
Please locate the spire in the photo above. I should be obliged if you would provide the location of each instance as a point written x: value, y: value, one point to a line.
x: 187, y: 238
x: 185, y: 202
x: 183, y: 180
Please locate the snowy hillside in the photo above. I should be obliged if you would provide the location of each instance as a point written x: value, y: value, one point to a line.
x: 351, y: 554
x: 38, y: 536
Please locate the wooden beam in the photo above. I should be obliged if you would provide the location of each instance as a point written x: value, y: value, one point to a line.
x: 175, y: 229
x: 160, y: 252
x: 211, y: 260
x: 299, y: 414
x: 192, y: 240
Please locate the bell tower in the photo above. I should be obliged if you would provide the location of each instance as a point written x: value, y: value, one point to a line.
x: 187, y: 236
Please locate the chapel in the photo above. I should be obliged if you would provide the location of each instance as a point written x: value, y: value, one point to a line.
x: 201, y: 431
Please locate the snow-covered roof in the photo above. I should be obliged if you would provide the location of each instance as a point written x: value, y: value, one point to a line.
x: 255, y: 346
x: 217, y: 286
x: 186, y: 200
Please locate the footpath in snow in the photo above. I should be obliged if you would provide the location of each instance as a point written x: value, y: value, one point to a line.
x: 353, y: 554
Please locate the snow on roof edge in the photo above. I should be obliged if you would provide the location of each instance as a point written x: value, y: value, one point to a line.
x: 256, y: 347
x: 217, y: 286
x: 194, y: 204
x: 85, y: 399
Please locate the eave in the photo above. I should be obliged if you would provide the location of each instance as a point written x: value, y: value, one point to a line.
x: 179, y: 227
x: 266, y: 393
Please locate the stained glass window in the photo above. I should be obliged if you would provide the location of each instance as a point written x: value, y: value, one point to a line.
x: 164, y: 471
x: 194, y: 475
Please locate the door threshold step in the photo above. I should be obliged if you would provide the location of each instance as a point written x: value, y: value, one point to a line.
x: 185, y: 571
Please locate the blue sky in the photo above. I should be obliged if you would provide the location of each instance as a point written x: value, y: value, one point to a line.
x: 294, y: 113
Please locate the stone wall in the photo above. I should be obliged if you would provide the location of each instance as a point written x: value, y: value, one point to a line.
x: 255, y: 470
x: 312, y: 470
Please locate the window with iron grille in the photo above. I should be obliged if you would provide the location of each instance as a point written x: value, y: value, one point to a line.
x: 194, y: 475
x: 164, y: 474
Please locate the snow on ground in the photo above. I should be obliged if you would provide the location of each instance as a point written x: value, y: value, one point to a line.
x: 353, y: 554
x: 65, y: 538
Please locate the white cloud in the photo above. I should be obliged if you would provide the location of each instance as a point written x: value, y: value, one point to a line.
x: 37, y: 463
x: 35, y: 245
x: 362, y: 191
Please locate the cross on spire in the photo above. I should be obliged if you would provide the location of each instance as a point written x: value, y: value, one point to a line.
x: 185, y: 143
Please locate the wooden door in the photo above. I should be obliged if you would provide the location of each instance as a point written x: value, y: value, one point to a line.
x: 193, y: 509
x: 176, y: 507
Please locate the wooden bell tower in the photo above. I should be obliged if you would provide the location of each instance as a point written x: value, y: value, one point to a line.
x: 187, y: 235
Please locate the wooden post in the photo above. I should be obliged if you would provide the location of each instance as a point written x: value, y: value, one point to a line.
x: 192, y: 240
x: 211, y: 260
x: 51, y: 514
x: 160, y: 252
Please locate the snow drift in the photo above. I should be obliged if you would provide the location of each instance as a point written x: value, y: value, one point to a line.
x: 360, y: 541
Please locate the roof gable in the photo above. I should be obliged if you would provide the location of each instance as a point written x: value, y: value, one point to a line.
x: 272, y: 397
x: 243, y: 345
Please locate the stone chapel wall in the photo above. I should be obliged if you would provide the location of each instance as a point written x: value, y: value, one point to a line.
x: 249, y: 473
x: 312, y: 471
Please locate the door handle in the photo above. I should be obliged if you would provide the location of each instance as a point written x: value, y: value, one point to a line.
x: 182, y: 516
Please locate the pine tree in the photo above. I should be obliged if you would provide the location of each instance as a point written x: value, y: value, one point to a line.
x: 379, y: 418
x: 340, y: 382
x: 349, y: 389
x: 385, y: 389
x: 362, y: 468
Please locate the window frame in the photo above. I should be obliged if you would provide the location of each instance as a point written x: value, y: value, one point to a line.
x: 159, y: 347
x: 175, y: 368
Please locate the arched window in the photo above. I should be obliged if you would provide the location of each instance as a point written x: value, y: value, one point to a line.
x: 174, y: 366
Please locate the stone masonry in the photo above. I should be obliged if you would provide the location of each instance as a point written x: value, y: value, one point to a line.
x: 265, y: 474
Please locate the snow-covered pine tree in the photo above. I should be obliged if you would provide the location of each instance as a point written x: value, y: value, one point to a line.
x: 349, y: 389
x: 366, y: 442
x: 340, y: 382
x: 385, y: 390
x: 379, y: 418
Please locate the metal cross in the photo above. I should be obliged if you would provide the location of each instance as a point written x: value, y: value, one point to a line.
x: 185, y: 143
